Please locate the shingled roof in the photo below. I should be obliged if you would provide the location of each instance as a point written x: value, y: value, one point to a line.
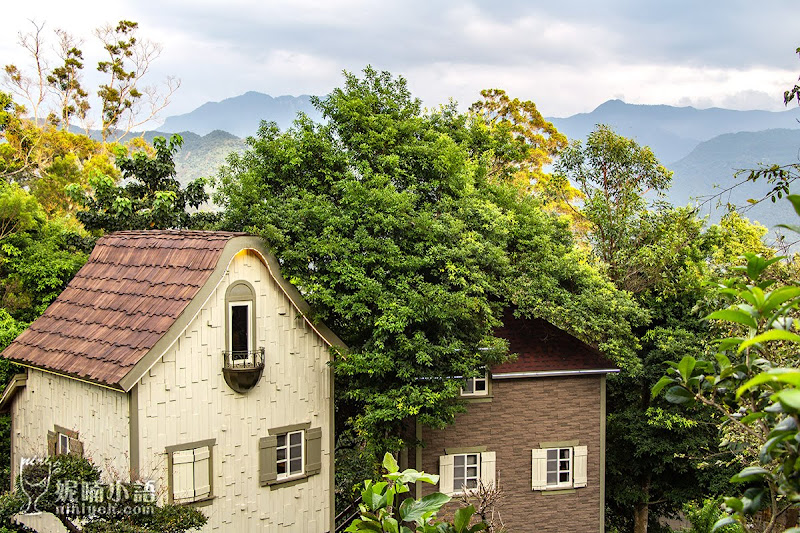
x: 544, y: 349
x: 134, y: 286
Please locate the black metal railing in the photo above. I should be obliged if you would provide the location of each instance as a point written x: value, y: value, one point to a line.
x: 243, y: 359
x: 242, y: 369
x: 346, y: 517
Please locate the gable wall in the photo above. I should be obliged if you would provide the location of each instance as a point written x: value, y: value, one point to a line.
x: 99, y: 415
x: 184, y: 399
x: 523, y: 413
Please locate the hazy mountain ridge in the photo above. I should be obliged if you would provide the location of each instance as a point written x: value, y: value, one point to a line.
x: 704, y: 147
x: 241, y: 115
x: 673, y: 132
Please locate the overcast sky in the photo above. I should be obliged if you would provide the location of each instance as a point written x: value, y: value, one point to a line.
x: 567, y: 56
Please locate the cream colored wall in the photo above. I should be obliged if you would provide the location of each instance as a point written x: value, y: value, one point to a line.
x: 99, y: 415
x: 184, y: 398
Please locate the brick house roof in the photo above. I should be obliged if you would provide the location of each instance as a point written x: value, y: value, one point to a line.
x: 542, y: 348
x: 131, y: 290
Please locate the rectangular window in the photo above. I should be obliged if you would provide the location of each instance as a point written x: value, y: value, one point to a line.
x: 559, y: 467
x: 289, y: 454
x: 477, y: 386
x: 191, y: 473
x: 63, y: 444
x: 466, y: 471
x: 240, y: 331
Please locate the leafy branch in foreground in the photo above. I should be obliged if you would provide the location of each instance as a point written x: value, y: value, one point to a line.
x: 755, y: 394
x: 379, y: 512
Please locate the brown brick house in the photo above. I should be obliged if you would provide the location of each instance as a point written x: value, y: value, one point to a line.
x: 536, y: 426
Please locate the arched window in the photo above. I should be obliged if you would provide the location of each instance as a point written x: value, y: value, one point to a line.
x: 240, y: 322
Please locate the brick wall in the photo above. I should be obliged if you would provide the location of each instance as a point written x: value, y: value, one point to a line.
x: 523, y: 413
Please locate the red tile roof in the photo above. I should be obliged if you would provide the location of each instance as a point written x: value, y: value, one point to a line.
x: 542, y: 347
x: 132, y: 289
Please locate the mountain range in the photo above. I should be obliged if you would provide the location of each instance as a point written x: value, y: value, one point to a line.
x: 704, y: 147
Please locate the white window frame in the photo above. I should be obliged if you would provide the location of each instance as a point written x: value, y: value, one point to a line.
x: 288, y: 457
x: 471, y: 383
x: 576, y: 469
x: 63, y: 444
x: 485, y: 471
x: 559, y: 467
x: 241, y: 303
x: 463, y: 487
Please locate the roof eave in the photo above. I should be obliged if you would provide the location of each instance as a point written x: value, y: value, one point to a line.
x: 553, y: 373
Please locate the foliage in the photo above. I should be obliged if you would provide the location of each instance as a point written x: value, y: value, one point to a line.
x: 384, y: 509
x: 517, y: 143
x: 128, y: 514
x: 57, y: 93
x: 150, y: 198
x: 705, y: 514
x: 402, y: 244
x: 746, y: 385
x: 614, y: 174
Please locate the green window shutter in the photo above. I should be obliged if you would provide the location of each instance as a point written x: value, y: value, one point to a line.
x: 313, y: 450
x: 52, y: 442
x: 267, y: 460
x: 75, y: 447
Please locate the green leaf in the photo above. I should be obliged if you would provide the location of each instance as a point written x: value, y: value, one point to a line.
x: 389, y: 463
x: 795, y: 200
x: 733, y: 315
x: 734, y: 503
x: 776, y: 375
x: 722, y: 522
x: 771, y: 335
x: 413, y: 510
x: 686, y: 367
x: 462, y: 518
x: 663, y: 382
x: 789, y: 399
x: 749, y: 474
x: 679, y: 395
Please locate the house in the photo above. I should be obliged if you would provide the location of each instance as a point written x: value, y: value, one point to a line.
x: 535, y: 426
x: 184, y: 357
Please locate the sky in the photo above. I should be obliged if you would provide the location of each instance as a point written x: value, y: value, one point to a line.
x: 566, y: 56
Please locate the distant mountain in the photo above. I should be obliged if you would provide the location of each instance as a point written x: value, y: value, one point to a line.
x: 672, y: 132
x: 241, y: 115
x: 709, y: 170
x: 201, y: 156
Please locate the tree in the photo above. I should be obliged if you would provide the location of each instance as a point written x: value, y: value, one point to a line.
x: 128, y: 61
x: 614, y: 174
x: 151, y: 199
x: 747, y: 384
x: 65, y: 81
x: 665, y: 257
x: 404, y: 246
x: 57, y: 93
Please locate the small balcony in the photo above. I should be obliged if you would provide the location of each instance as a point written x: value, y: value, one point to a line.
x: 242, y: 370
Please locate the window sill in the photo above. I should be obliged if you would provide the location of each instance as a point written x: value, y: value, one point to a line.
x: 557, y: 490
x: 477, y: 398
x: 288, y: 481
x: 198, y: 503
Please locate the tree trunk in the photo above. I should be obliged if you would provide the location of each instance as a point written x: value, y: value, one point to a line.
x: 640, y: 518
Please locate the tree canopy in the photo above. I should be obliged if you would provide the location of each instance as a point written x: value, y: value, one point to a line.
x: 389, y: 223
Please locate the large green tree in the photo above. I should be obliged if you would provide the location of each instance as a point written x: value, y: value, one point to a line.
x: 391, y: 226
x: 665, y: 257
x: 149, y: 198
